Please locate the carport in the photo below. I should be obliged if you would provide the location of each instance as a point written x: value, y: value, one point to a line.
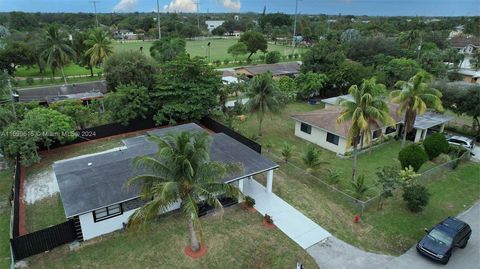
x: 429, y: 120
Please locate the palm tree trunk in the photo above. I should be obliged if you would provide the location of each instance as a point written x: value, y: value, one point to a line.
x: 260, y: 125
x: 404, y: 139
x: 63, y: 75
x: 194, y: 244
x: 354, y: 167
x: 91, y: 70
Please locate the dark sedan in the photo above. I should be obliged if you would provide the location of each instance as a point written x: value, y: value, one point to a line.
x: 440, y: 241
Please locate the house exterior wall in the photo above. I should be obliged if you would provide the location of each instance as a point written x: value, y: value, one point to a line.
x: 319, y: 137
x: 92, y: 229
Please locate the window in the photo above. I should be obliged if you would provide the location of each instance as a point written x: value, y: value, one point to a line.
x: 306, y: 128
x: 377, y: 133
x: 390, y: 129
x: 332, y: 138
x: 107, y: 212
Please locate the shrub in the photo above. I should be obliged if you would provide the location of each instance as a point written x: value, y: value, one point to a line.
x: 311, y: 157
x: 249, y: 201
x: 359, y: 187
x: 416, y: 196
x: 412, y: 155
x: 273, y: 57
x: 435, y: 145
x: 456, y: 151
x: 286, y: 151
x: 226, y: 62
x: 333, y: 176
x: 443, y: 158
x: 218, y: 62
x: 268, y: 219
x: 30, y: 81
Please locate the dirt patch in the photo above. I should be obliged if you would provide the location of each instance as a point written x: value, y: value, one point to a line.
x: 40, y: 185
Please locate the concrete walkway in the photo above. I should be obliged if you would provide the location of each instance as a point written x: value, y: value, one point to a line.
x: 294, y: 224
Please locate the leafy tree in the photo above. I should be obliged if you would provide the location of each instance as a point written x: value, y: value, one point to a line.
x: 475, y: 61
x: 255, y: 41
x: 350, y: 35
x: 310, y: 84
x: 219, y: 31
x: 186, y: 90
x: 366, y: 108
x: 56, y: 51
x: 237, y: 49
x: 287, y: 151
x: 75, y: 109
x: 168, y: 49
x: 181, y: 171
x: 388, y: 179
x: 79, y: 46
x: 273, y: 57
x: 288, y: 89
x: 347, y: 74
x: 364, y: 50
x: 414, y: 97
x: 100, y: 46
x: 400, y: 69
x: 412, y: 156
x: 435, y: 145
x: 323, y: 58
x: 464, y: 102
x: 432, y: 62
x: 409, y: 38
x: 13, y: 54
x: 128, y: 102
x: 129, y: 67
x: 275, y: 19
x: 416, y: 196
x: 264, y: 97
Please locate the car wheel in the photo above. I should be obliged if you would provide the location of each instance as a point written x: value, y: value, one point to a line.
x: 446, y: 260
x: 464, y: 243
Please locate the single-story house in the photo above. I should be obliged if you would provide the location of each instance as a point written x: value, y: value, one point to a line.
x: 278, y: 69
x: 211, y: 24
x: 81, y: 91
x: 320, y: 127
x: 92, y: 187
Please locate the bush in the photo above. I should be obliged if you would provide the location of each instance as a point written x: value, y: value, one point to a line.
x: 30, y: 81
x: 286, y: 151
x: 412, y: 155
x: 456, y: 151
x: 359, y: 187
x: 442, y: 158
x: 416, y: 196
x: 435, y: 145
x: 226, y: 62
x: 333, y: 176
x: 268, y: 219
x: 249, y: 201
x: 311, y: 158
x: 273, y: 57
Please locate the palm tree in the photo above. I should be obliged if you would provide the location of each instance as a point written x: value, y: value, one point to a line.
x: 55, y: 49
x: 366, y: 109
x: 263, y: 96
x: 415, y: 97
x: 100, y: 46
x: 181, y: 171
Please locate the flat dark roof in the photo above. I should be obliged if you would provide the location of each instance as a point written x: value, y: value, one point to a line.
x: 83, y: 90
x: 94, y: 181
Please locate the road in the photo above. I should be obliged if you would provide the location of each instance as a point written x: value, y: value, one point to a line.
x: 467, y: 258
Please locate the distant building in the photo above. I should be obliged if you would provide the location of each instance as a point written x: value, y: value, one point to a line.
x: 124, y: 35
x: 278, y: 69
x: 211, y: 25
x: 80, y: 91
x: 236, y: 17
x: 467, y: 46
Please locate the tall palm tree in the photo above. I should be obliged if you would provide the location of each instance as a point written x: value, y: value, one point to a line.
x: 366, y: 109
x: 415, y: 96
x: 263, y: 96
x: 100, y: 46
x: 181, y: 171
x: 55, y: 49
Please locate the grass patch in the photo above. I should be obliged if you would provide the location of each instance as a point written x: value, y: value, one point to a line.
x: 71, y: 69
x: 6, y: 180
x: 238, y: 240
x: 45, y: 213
x: 22, y: 84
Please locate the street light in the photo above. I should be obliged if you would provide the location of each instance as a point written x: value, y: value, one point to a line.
x: 294, y: 27
x: 158, y: 21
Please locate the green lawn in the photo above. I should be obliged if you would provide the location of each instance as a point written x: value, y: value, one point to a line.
x: 49, y: 211
x: 5, y: 187
x: 70, y: 70
x: 22, y: 84
x: 237, y: 240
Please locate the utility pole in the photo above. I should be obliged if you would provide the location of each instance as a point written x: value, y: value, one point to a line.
x: 94, y: 2
x: 294, y: 27
x: 198, y: 16
x: 13, y: 100
x: 158, y: 21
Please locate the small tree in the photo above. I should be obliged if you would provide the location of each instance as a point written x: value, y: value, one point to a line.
x: 167, y: 49
x: 311, y: 158
x: 273, y: 57
x: 255, y: 41
x: 288, y: 89
x: 435, y: 145
x: 127, y: 103
x: 310, y: 84
x: 388, y: 179
x: 412, y: 155
x: 416, y: 196
x: 407, y: 176
x: 237, y: 49
x: 359, y: 187
x: 287, y: 150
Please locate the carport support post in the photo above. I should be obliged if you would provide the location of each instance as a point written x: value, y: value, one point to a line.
x: 418, y: 135
x: 442, y: 128
x: 424, y: 134
x: 240, y: 187
x: 269, y: 180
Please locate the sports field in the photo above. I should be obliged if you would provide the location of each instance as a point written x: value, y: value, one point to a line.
x: 218, y: 48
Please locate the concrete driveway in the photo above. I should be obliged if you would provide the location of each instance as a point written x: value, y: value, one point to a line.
x: 476, y: 154
x: 467, y: 258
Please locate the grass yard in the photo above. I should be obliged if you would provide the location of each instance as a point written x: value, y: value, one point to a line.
x: 49, y: 211
x: 218, y: 48
x: 22, y: 84
x: 6, y: 180
x: 70, y: 70
x: 237, y: 240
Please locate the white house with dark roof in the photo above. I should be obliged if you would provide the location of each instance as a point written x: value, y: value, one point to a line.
x: 320, y: 127
x: 92, y: 187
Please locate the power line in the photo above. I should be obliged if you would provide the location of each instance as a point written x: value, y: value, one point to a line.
x: 94, y: 2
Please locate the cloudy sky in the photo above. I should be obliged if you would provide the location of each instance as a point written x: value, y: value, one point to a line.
x: 354, y: 7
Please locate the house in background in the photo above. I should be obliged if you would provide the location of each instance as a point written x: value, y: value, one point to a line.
x: 92, y: 187
x: 123, y: 34
x: 85, y: 92
x: 467, y: 46
x: 211, y: 25
x: 277, y: 70
x: 320, y: 127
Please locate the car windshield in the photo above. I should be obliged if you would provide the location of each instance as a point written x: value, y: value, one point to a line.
x: 440, y: 236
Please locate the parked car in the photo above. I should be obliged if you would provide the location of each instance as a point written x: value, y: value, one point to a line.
x: 442, y: 239
x: 462, y: 141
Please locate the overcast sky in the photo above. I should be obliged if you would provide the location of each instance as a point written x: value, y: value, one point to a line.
x: 353, y: 7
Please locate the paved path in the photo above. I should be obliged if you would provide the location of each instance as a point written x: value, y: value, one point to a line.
x: 294, y: 224
x: 467, y: 258
x: 476, y: 154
